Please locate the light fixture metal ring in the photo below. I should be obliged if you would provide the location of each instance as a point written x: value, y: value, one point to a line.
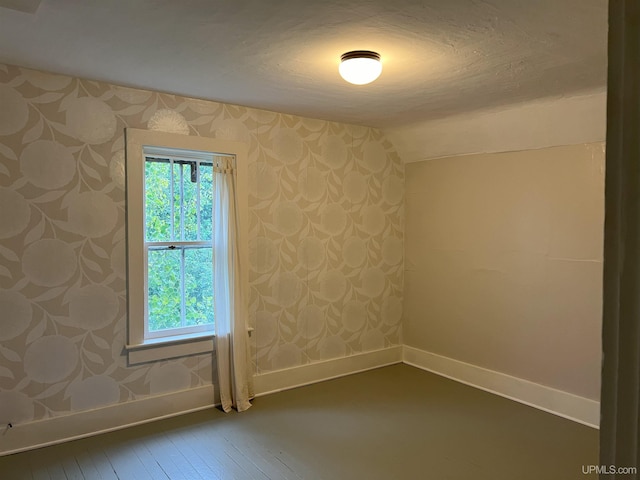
x: 360, y: 54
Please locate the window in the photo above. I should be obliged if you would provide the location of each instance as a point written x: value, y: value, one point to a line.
x: 178, y: 196
x: 170, y: 195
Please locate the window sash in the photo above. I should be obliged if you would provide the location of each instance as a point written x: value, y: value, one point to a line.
x: 196, y: 164
x: 183, y: 329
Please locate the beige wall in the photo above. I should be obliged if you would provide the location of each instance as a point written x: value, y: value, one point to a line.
x: 503, y: 262
x: 325, y: 246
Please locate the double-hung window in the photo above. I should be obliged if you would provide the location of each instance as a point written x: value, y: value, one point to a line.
x: 170, y: 200
x: 178, y: 196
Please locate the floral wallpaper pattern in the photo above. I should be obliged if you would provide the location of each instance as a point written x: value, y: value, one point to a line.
x: 325, y: 240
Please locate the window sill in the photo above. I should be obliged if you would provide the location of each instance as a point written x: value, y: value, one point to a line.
x: 155, y: 349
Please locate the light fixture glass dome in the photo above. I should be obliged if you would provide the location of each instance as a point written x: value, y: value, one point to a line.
x: 360, y: 66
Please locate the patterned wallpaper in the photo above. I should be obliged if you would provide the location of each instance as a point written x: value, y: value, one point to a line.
x: 326, y: 232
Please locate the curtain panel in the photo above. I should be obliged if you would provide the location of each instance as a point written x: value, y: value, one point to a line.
x: 229, y: 297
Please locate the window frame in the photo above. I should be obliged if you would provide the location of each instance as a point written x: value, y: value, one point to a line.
x: 172, y: 156
x: 138, y: 348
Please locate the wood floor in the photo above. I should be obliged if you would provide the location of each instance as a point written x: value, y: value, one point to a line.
x: 395, y: 422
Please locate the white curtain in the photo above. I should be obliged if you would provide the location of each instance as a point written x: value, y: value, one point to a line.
x: 230, y: 307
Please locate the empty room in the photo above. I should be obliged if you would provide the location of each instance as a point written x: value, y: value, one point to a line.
x: 318, y: 240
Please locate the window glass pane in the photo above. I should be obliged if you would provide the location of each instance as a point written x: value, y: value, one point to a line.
x: 206, y: 201
x: 163, y: 283
x: 198, y: 281
x: 190, y: 199
x: 157, y: 205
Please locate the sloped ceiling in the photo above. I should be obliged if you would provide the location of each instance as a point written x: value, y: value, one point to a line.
x: 440, y: 58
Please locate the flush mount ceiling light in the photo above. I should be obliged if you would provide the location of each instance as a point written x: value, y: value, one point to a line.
x: 360, y: 66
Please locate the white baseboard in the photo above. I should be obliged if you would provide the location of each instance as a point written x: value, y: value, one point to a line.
x: 114, y: 417
x: 105, y: 419
x: 51, y: 431
x: 557, y: 402
x: 279, y: 380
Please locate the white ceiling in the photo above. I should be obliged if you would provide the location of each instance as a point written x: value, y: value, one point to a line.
x: 440, y: 57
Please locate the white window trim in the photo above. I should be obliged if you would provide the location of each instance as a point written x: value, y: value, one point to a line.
x: 138, y: 349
